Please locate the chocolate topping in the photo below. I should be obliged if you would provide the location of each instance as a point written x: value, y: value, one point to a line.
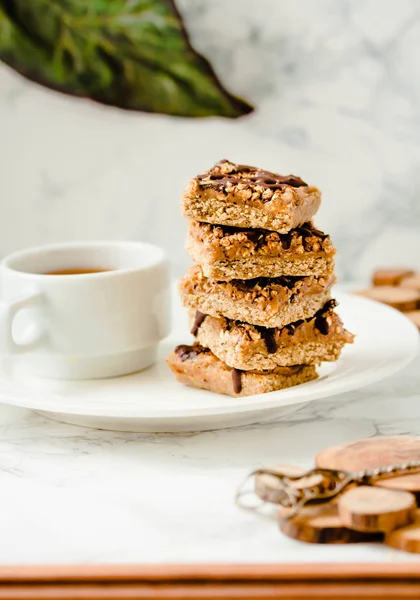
x: 189, y: 352
x: 329, y: 305
x: 291, y: 327
x: 262, y: 236
x: 252, y: 236
x: 199, y: 318
x: 262, y: 282
x: 290, y: 370
x: 286, y: 241
x: 268, y: 335
x: 306, y: 230
x: 225, y: 172
x: 237, y: 381
x: 321, y: 324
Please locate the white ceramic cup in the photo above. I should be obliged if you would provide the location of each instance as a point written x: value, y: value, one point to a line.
x: 84, y: 326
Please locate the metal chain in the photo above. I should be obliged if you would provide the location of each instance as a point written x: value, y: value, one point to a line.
x: 390, y: 471
x: 333, y: 482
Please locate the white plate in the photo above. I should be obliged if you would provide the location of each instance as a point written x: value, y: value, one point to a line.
x: 152, y: 401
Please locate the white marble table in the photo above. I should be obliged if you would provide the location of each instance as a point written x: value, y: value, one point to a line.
x: 73, y: 495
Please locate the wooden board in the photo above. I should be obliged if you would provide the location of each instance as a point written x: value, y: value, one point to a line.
x: 352, y: 581
x: 371, y: 453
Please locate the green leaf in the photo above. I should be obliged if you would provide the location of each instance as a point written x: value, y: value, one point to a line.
x: 134, y: 54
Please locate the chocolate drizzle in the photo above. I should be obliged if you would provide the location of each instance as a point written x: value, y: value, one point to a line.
x: 306, y: 231
x: 291, y: 327
x: 245, y: 174
x: 329, y: 305
x: 262, y: 282
x: 199, y: 318
x: 237, y: 380
x: 321, y: 323
x: 253, y: 236
x: 189, y: 352
x: 269, y: 336
x: 286, y: 241
x: 260, y: 237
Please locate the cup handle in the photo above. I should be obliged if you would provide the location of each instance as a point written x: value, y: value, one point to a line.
x: 8, y: 311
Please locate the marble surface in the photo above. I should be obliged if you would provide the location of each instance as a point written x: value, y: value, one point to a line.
x: 72, y: 495
x: 336, y: 90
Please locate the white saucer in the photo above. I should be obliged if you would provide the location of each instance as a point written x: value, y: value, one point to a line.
x: 152, y: 401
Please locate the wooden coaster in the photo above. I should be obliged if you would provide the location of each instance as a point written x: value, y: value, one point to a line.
x: 269, y: 489
x: 406, y: 538
x: 376, y: 452
x: 408, y: 483
x: 401, y: 298
x: 412, y: 282
x: 373, y: 509
x: 370, y: 453
x: 390, y: 276
x: 322, y: 524
x: 414, y: 315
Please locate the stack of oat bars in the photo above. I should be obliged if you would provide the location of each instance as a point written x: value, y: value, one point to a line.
x: 259, y: 295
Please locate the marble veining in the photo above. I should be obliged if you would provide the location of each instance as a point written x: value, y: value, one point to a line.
x: 73, y: 495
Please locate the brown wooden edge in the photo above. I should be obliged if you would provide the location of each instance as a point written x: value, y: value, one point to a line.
x: 240, y: 582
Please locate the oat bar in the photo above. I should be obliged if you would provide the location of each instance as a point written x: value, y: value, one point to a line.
x: 267, y: 302
x: 226, y: 253
x: 246, y: 347
x: 244, y: 196
x: 198, y: 367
